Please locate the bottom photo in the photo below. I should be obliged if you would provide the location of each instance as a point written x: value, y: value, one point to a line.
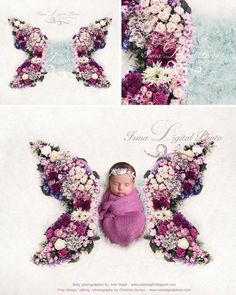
x: 117, y: 200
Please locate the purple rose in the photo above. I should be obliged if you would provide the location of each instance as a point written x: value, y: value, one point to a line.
x: 82, y: 204
x: 133, y: 80
x: 64, y: 219
x: 52, y: 176
x: 161, y: 203
x: 190, y: 175
x: 55, y: 187
x: 178, y: 218
x: 187, y: 187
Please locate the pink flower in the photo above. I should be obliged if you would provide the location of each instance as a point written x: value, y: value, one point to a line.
x: 49, y: 233
x: 193, y: 232
x: 162, y: 229
x: 62, y: 253
x: 180, y: 252
x: 160, y: 99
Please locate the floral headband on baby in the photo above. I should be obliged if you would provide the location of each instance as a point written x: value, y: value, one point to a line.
x: 122, y: 171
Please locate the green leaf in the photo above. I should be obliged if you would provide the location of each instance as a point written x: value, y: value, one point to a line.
x: 203, y: 167
x: 95, y: 238
x: 185, y: 6
x: 153, y: 247
x: 89, y: 248
x: 168, y: 259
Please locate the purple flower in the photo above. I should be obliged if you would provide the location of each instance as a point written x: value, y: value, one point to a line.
x: 178, y: 218
x: 194, y: 233
x: 162, y: 203
x: 190, y: 175
x: 49, y: 233
x: 161, y: 229
x: 133, y: 79
x: 160, y: 99
x: 187, y: 187
x: 52, y: 176
x: 82, y: 204
x: 65, y: 219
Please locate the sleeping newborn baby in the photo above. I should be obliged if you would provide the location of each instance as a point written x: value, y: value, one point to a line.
x: 121, y: 212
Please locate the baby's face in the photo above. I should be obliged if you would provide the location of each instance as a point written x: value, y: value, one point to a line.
x: 121, y: 185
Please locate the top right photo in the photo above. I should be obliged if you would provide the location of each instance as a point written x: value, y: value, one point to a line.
x: 177, y: 52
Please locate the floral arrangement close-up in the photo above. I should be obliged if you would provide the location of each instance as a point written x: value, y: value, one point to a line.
x: 174, y: 178
x: 71, y: 181
x: 157, y: 34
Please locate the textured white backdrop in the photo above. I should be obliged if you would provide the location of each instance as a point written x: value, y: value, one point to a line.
x: 97, y: 134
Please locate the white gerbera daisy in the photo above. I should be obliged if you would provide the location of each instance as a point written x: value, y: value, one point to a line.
x: 157, y: 74
x: 80, y: 215
x: 164, y: 214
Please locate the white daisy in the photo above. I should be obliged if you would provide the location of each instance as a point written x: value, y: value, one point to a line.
x: 80, y: 215
x: 164, y: 214
x: 157, y: 75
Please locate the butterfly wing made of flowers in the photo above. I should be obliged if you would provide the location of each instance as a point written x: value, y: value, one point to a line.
x: 88, y: 40
x: 32, y: 41
x: 174, y: 178
x: 70, y: 180
x: 158, y: 34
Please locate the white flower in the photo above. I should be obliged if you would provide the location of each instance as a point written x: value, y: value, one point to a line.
x: 22, y: 26
x: 153, y: 232
x: 83, y: 60
x: 164, y: 15
x: 102, y: 23
x: 175, y: 18
x: 162, y: 187
x: 171, y: 27
x: 183, y: 243
x: 197, y: 149
x: 90, y: 233
x: 16, y: 23
x: 54, y: 156
x: 80, y: 215
x: 179, y: 10
x: 178, y: 92
x: 182, y: 40
x: 81, y: 187
x: 154, y: 9
x: 92, y: 226
x: 25, y: 76
x: 36, y: 60
x: 94, y: 76
x: 164, y: 214
x: 144, y: 3
x: 150, y: 225
x: 189, y: 154
x: 46, y: 150
x: 60, y: 244
x: 160, y: 27
x: 157, y: 75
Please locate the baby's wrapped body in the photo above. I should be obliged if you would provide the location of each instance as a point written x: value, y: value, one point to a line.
x: 122, y: 218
